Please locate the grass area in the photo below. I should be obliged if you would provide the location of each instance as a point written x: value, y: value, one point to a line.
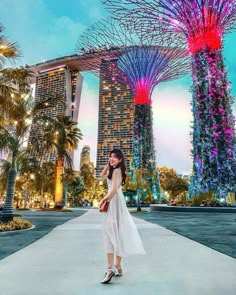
x: 16, y: 224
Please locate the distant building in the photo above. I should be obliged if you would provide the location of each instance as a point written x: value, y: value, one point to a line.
x: 184, y: 176
x: 115, y: 120
x: 85, y: 156
x: 61, y: 77
x: 64, y: 83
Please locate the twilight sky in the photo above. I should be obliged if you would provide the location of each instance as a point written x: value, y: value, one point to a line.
x: 46, y: 29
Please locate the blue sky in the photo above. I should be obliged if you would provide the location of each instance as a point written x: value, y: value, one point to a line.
x: 47, y: 29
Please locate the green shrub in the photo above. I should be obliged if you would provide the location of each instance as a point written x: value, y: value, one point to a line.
x: 163, y: 201
x: 148, y: 199
x: 208, y: 196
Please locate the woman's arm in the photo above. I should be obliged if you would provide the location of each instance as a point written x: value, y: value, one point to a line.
x: 104, y: 171
x: 116, y: 179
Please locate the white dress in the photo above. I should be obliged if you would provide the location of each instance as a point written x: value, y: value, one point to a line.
x: 121, y: 236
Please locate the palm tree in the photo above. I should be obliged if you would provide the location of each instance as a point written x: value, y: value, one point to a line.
x: 68, y: 177
x: 45, y: 176
x: 76, y: 187
x: 61, y: 137
x: 8, y: 50
x: 87, y: 173
x: 15, y: 126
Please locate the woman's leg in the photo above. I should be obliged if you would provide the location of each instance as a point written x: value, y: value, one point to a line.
x: 110, y: 259
x: 118, y: 262
x: 110, y: 273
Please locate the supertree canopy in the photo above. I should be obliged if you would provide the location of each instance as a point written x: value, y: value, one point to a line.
x: 203, y: 23
x: 142, y: 65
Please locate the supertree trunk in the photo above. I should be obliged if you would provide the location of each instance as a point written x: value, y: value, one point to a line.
x: 143, y: 147
x: 8, y: 205
x: 213, y: 134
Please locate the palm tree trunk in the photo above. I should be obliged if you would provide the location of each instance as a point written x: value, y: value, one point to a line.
x: 7, y: 214
x: 25, y: 197
x: 58, y: 184
x: 65, y: 192
x: 138, y: 200
x: 41, y: 197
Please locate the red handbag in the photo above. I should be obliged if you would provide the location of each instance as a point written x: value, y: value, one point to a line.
x: 104, y: 206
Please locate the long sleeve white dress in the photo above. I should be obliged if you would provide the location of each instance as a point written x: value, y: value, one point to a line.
x: 121, y: 236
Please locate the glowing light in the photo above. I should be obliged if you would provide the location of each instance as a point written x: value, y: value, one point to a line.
x: 142, y: 92
x: 32, y: 176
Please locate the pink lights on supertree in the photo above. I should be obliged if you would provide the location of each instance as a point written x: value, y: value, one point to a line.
x: 206, y: 34
x: 204, y: 40
x: 142, y: 92
x: 203, y: 23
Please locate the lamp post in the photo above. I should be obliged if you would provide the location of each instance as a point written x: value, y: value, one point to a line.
x: 139, y: 190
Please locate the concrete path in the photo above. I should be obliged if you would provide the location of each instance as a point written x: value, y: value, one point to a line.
x: 70, y: 260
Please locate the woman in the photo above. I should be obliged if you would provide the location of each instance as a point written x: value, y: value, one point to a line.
x: 121, y: 237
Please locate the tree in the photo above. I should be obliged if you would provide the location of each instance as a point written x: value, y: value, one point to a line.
x: 15, y: 126
x: 8, y: 50
x: 171, y: 182
x: 95, y: 188
x: 61, y: 136
x: 139, y: 185
x: 87, y: 173
x: 76, y: 187
x: 26, y: 167
x: 45, y: 176
x: 68, y: 177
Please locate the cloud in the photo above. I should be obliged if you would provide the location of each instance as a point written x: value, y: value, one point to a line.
x: 94, y: 9
x: 171, y: 126
x: 40, y: 33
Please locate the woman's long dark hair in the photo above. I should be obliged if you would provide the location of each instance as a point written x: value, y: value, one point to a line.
x: 120, y: 165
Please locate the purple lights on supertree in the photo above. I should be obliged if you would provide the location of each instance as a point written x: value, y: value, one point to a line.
x: 203, y: 23
x: 142, y: 65
x: 213, y: 131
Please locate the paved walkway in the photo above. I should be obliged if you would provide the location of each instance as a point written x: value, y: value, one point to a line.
x: 70, y: 260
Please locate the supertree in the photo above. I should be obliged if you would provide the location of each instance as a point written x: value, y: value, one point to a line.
x: 204, y: 24
x: 142, y: 65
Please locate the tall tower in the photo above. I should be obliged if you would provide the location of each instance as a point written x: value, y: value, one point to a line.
x: 115, y: 119
x: 62, y: 82
x: 85, y: 156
